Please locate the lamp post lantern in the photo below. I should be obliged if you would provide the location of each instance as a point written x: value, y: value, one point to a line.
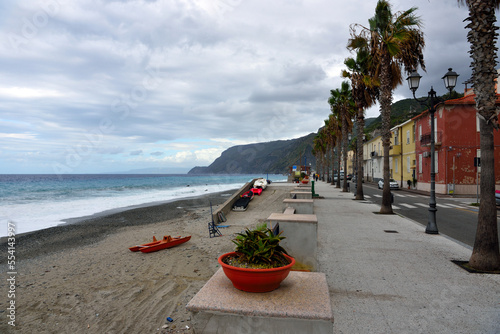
x: 450, y: 80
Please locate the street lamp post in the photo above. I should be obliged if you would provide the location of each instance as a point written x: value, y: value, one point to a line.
x: 450, y: 80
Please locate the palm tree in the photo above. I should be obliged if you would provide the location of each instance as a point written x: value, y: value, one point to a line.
x: 342, y: 105
x: 331, y: 140
x: 482, y: 37
x: 394, y: 41
x: 334, y: 132
x: 319, y: 150
x: 365, y: 92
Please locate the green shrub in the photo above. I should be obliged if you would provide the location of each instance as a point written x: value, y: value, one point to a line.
x: 260, y: 248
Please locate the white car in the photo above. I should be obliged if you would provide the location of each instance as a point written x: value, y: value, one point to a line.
x: 392, y: 183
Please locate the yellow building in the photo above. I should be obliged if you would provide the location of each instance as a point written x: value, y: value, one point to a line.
x: 403, y: 152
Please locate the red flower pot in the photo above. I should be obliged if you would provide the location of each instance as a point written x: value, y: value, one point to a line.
x: 256, y: 280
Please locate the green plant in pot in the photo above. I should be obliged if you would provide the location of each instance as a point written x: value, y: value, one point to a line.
x: 259, y: 263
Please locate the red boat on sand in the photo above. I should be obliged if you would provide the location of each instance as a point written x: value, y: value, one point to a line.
x: 256, y: 191
x: 156, y: 245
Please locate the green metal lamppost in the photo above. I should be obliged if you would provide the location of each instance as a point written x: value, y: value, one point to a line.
x: 450, y: 80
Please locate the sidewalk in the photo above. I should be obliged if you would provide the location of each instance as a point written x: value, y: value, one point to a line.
x: 400, y: 282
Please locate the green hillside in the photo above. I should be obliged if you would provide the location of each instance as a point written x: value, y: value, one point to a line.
x: 272, y: 157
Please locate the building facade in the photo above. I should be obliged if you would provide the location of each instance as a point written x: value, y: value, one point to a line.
x: 373, y: 162
x: 403, y: 153
x: 457, y: 147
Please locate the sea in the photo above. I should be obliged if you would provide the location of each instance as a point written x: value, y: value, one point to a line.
x: 35, y: 202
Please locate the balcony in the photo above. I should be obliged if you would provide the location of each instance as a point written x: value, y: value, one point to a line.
x: 425, y: 139
x: 395, y: 150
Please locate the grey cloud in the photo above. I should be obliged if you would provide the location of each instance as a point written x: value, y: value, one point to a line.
x: 161, y: 71
x: 156, y: 154
x: 137, y: 152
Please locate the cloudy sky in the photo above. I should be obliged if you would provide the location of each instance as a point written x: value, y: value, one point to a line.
x: 91, y: 86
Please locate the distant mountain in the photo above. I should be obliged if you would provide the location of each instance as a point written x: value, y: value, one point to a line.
x: 272, y: 157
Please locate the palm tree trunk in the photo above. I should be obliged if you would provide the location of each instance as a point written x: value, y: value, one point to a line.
x: 344, y: 151
x: 482, y: 37
x: 385, y: 110
x: 359, y: 176
x: 333, y: 166
x: 485, y: 254
x: 339, y: 150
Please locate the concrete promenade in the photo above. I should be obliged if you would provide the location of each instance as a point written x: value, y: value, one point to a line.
x: 404, y: 282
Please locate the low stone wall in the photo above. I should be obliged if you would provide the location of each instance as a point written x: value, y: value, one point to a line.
x: 228, y: 205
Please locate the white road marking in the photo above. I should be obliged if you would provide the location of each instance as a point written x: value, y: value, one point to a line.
x: 409, y: 206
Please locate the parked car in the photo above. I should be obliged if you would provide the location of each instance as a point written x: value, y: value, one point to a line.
x: 497, y: 196
x: 335, y: 177
x: 349, y: 176
x: 355, y: 179
x: 392, y: 183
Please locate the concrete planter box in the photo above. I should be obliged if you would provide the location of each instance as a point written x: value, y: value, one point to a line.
x: 301, y: 206
x: 301, y: 194
x: 300, y: 305
x: 301, y: 232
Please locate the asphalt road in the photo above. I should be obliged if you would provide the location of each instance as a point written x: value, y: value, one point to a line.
x: 455, y: 217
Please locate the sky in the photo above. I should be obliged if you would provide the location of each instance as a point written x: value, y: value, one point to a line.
x: 95, y: 86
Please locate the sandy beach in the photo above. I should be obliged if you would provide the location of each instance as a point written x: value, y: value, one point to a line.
x: 81, y: 277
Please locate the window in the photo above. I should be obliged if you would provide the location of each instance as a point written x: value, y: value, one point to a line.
x: 396, y: 139
x: 478, y: 154
x: 408, y: 137
x: 477, y: 123
x: 420, y: 132
x: 396, y: 165
x: 436, y: 162
x: 413, y: 131
x: 420, y: 163
x: 408, y: 164
x: 436, y: 128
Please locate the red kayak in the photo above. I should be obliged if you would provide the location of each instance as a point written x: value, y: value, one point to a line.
x: 166, y: 242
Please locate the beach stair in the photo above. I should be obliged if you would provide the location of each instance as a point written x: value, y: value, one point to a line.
x: 301, y: 236
x: 300, y: 305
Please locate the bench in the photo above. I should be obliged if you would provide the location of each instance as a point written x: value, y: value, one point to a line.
x: 300, y: 305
